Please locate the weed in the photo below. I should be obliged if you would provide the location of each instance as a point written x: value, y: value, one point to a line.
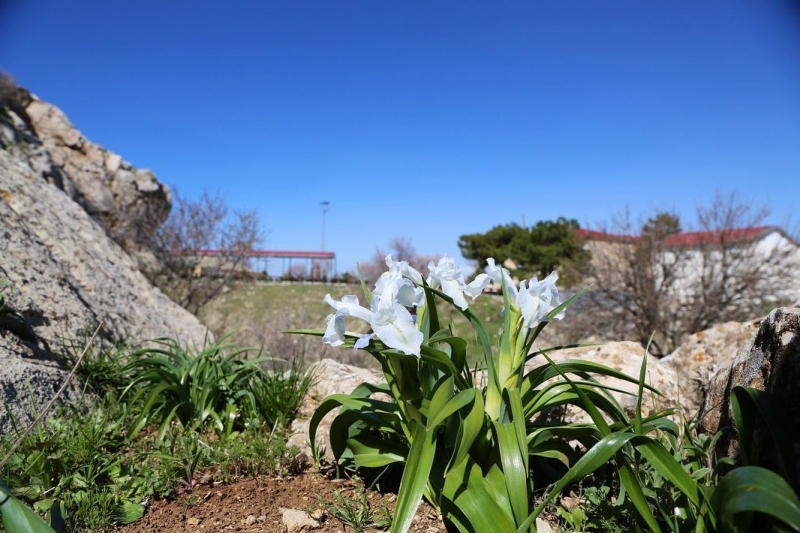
x: 354, y: 512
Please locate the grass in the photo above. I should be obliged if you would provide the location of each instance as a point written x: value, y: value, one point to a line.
x: 257, y: 312
x: 96, y: 464
x: 254, y: 313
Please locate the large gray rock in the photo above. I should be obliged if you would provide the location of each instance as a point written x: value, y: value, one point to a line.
x: 769, y: 362
x: 67, y: 274
x: 702, y: 354
x: 123, y: 198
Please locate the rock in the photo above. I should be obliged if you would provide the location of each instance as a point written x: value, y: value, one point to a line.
x: 296, y: 520
x: 67, y: 273
x: 543, y: 527
x: 702, y: 354
x: 625, y: 357
x: 769, y: 362
x: 115, y: 193
x: 330, y: 377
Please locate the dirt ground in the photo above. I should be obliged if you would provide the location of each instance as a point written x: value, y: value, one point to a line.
x: 260, y: 505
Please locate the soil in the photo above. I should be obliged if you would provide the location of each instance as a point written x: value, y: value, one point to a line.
x: 259, y: 504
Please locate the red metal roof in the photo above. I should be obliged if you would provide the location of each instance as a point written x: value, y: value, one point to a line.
x: 696, y: 238
x: 261, y: 253
x: 692, y: 238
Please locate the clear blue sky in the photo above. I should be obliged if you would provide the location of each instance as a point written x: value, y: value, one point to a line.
x: 429, y: 119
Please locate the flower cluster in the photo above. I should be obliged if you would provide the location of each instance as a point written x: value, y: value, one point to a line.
x: 399, y: 291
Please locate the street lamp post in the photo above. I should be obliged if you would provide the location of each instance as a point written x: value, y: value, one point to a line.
x: 324, y: 206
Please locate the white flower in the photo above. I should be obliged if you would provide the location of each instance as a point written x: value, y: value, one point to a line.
x: 391, y: 286
x: 537, y: 298
x: 449, y: 277
x: 534, y: 298
x: 402, y: 268
x: 390, y: 321
x: 348, y: 306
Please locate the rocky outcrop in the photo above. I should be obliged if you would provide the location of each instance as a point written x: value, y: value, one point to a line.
x: 701, y: 355
x: 125, y: 200
x: 625, y: 357
x: 66, y: 272
x: 769, y: 362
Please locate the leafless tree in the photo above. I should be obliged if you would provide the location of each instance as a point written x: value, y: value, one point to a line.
x: 200, y: 248
x: 673, y: 284
x: 402, y: 249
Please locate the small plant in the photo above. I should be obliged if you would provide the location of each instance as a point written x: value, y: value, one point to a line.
x: 278, y: 393
x: 102, y: 370
x: 471, y: 450
x: 354, y: 512
x: 212, y: 388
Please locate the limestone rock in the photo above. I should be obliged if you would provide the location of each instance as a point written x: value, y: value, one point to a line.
x: 330, y: 377
x: 769, y: 362
x: 66, y: 271
x: 115, y: 193
x: 702, y: 354
x: 625, y: 357
x: 295, y: 520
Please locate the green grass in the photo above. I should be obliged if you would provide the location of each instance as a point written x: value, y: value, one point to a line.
x: 98, y: 463
x: 254, y: 314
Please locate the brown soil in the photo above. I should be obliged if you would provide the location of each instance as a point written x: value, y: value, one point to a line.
x: 258, y: 505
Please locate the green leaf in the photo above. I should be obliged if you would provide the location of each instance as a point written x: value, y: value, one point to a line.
x: 17, y: 516
x: 597, y: 456
x: 745, y: 403
x: 129, y: 512
x: 371, y: 451
x: 415, y: 477
x: 515, y: 474
x: 754, y: 489
x: 467, y: 501
x: 460, y: 400
x: 666, y: 465
x: 471, y: 427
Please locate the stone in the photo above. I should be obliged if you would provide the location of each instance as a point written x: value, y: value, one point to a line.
x: 295, y: 520
x: 122, y: 198
x: 770, y: 362
x: 700, y: 356
x: 66, y: 271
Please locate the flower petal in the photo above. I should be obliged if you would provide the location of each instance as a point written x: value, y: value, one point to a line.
x: 394, y: 326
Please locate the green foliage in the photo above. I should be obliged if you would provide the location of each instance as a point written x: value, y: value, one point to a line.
x: 85, y: 464
x: 472, y: 451
x: 356, y: 512
x: 660, y: 226
x: 539, y: 249
x: 217, y: 388
x: 102, y: 369
x: 475, y: 453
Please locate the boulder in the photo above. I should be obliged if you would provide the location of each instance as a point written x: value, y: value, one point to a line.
x: 124, y: 199
x: 702, y: 354
x: 67, y: 273
x: 625, y: 357
x: 769, y: 362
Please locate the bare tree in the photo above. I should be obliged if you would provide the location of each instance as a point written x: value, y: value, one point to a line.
x: 200, y: 248
x: 402, y: 249
x: 672, y: 284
